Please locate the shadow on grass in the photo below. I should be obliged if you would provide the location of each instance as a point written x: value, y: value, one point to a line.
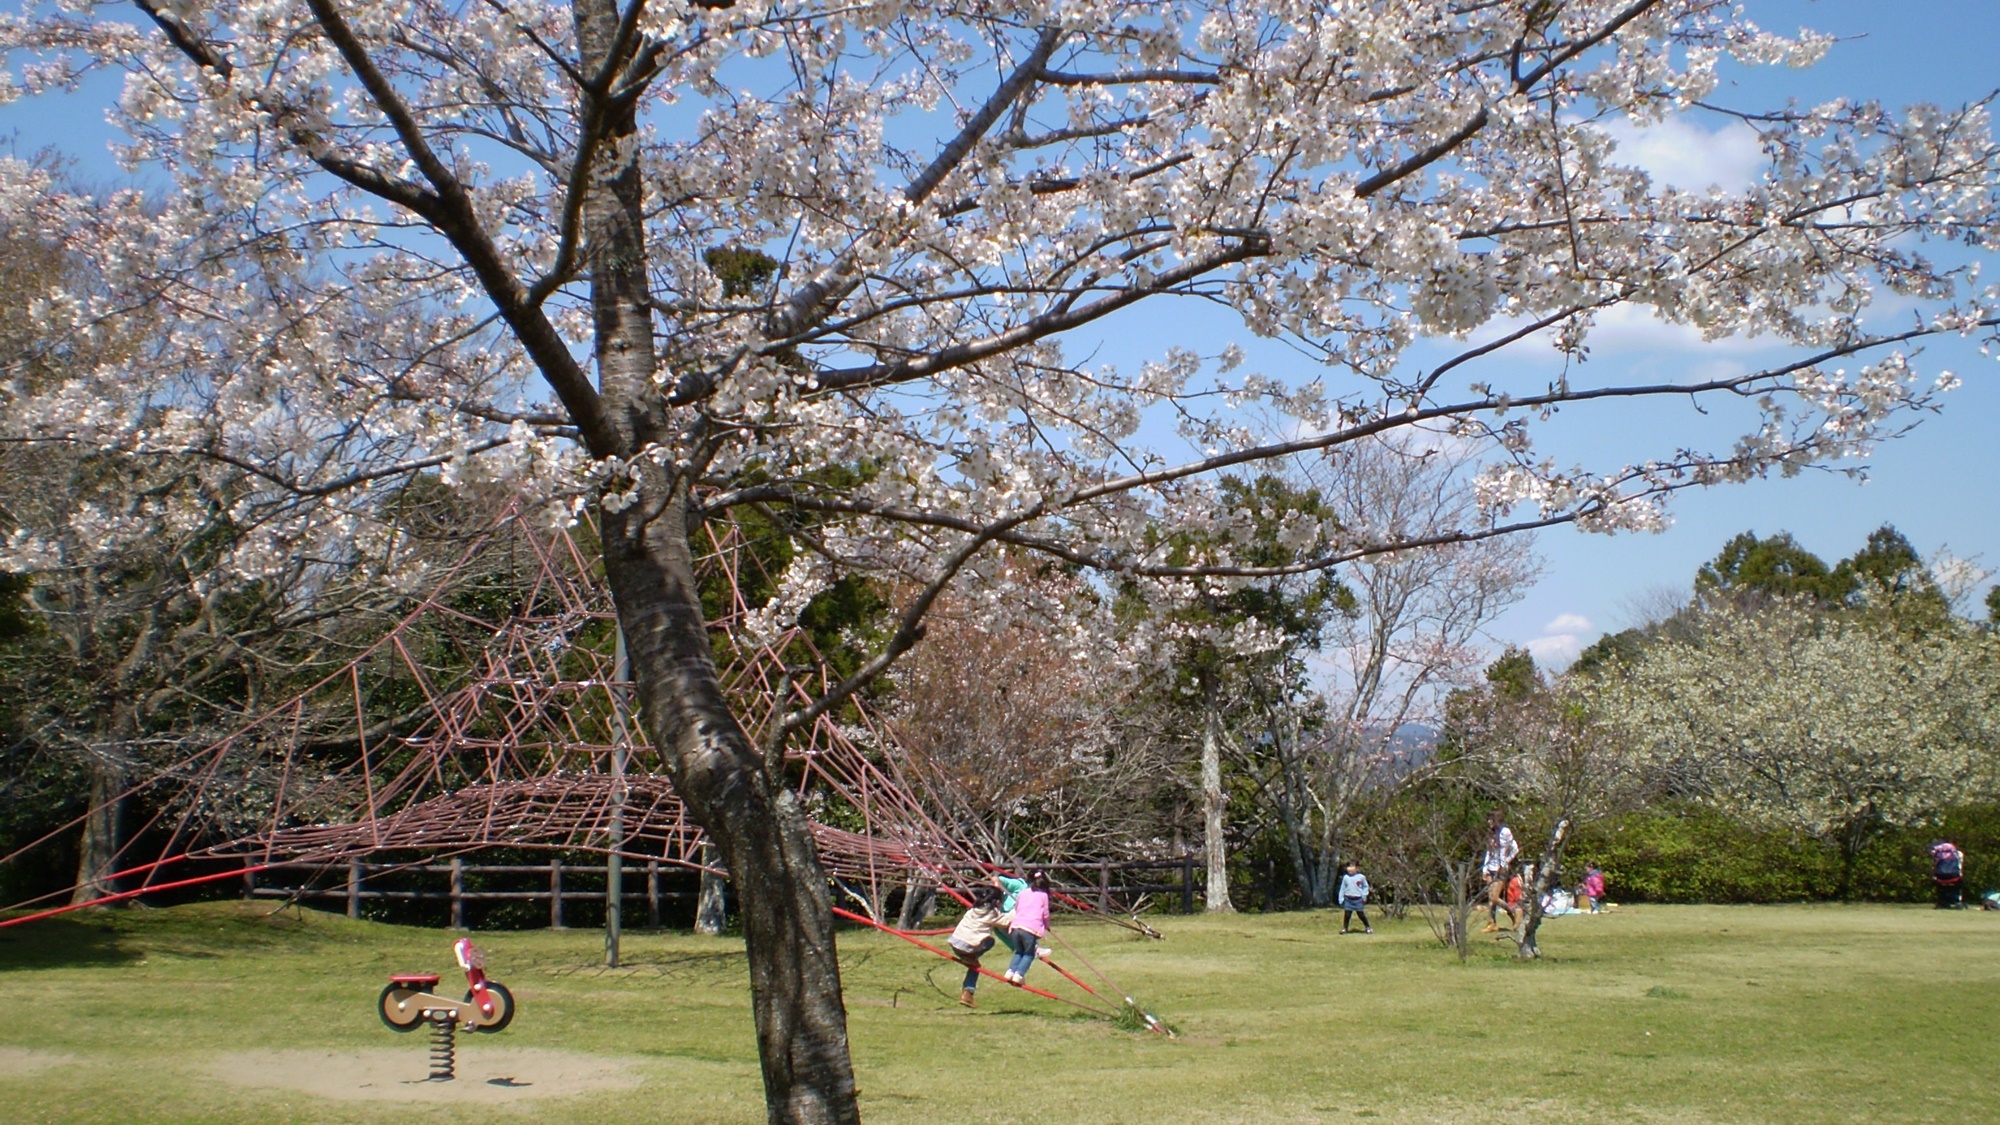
x: 62, y: 943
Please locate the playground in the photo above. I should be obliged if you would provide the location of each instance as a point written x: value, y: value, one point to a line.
x: 232, y: 1012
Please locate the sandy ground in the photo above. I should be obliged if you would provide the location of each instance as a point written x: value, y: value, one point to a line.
x: 485, y: 1074
x: 18, y: 1062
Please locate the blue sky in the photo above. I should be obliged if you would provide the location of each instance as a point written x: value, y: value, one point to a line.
x: 1937, y: 485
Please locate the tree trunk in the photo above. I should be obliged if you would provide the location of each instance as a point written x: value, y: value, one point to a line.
x: 1214, y: 805
x: 711, y: 911
x: 1853, y: 839
x: 1547, y: 870
x: 1458, y: 927
x: 918, y: 901
x: 97, y: 852
x: 754, y: 820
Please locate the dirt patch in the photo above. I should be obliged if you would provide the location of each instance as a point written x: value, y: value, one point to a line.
x: 496, y: 1074
x: 19, y: 1062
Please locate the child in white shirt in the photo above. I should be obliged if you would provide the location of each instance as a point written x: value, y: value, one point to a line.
x: 1354, y: 898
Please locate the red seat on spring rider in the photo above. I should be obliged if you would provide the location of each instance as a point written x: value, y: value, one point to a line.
x: 424, y: 981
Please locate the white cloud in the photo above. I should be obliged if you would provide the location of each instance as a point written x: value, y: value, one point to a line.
x: 1569, y: 623
x: 1562, y: 639
x: 1679, y: 153
x: 1637, y: 328
x: 1626, y: 330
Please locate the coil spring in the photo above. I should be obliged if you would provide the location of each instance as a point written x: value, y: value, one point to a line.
x: 444, y: 1048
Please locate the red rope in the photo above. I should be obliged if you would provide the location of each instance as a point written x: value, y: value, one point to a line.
x: 982, y: 970
x: 1071, y: 977
x: 232, y: 873
x: 1108, y: 982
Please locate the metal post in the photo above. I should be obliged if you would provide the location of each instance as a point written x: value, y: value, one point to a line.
x: 555, y: 894
x: 1187, y: 883
x: 457, y: 893
x: 249, y: 882
x: 354, y: 888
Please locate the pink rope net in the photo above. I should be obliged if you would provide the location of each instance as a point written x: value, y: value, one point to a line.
x: 518, y: 751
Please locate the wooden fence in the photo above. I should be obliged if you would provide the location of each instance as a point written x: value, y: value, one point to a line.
x: 354, y: 889
x: 1107, y: 885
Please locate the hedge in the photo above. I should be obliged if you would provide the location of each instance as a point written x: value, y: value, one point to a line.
x: 1695, y: 854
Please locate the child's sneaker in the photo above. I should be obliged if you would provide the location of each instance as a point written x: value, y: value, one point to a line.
x: 1369, y: 930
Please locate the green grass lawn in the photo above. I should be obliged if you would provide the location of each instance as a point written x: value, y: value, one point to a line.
x: 1710, y: 1014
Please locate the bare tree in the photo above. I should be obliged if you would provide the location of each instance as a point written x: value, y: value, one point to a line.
x: 1411, y: 630
x: 1019, y: 727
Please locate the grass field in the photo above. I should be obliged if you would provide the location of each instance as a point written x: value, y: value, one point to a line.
x: 218, y: 1013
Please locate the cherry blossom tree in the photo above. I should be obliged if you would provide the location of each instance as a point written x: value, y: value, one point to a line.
x: 492, y: 239
x: 1548, y: 751
x: 1836, y: 726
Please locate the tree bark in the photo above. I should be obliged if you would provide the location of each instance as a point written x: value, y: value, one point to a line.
x: 711, y: 911
x: 755, y: 822
x: 1214, y: 804
x: 97, y: 852
x: 918, y: 901
x: 753, y: 819
x: 1547, y: 870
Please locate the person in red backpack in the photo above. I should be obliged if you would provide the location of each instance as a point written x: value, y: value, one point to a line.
x: 1948, y: 872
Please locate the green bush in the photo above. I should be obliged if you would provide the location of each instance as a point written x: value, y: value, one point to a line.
x: 1696, y: 854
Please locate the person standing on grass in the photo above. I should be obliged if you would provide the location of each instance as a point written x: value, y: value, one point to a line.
x: 1495, y: 864
x: 1592, y: 890
x: 1354, y: 898
x: 1948, y: 872
x: 1030, y: 926
x: 974, y: 936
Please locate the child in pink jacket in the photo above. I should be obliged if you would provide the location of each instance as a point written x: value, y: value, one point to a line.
x: 1031, y: 925
x: 1592, y: 890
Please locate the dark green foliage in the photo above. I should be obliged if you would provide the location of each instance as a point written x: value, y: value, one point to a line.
x: 1513, y: 675
x: 743, y: 271
x: 1694, y: 854
x: 14, y: 619
x: 1887, y: 562
x: 1610, y: 651
x: 1750, y: 567
x: 1993, y: 606
x: 1887, y: 577
x: 845, y: 622
x: 1299, y: 606
x: 1886, y: 573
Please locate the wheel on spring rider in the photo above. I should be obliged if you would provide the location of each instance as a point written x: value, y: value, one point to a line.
x: 503, y: 1006
x: 394, y: 1009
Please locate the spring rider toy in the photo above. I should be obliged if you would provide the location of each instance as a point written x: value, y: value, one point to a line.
x: 487, y: 1006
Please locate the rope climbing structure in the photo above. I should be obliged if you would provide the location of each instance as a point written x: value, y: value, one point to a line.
x: 459, y: 730
x: 462, y: 728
